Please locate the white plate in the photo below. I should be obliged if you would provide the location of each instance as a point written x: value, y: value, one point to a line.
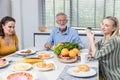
x: 42, y: 52
x: 20, y: 66
x: 4, y: 64
x: 20, y: 76
x: 45, y: 69
x: 89, y: 73
x: 19, y: 52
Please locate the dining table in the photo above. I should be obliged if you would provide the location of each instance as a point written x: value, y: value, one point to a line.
x: 59, y: 72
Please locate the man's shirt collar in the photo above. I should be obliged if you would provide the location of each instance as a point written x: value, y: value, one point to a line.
x: 66, y: 32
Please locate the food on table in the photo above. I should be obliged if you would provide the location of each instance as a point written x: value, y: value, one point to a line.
x: 65, y: 52
x: 68, y: 45
x: 67, y: 49
x: 2, y: 62
x: 32, y: 60
x: 44, y: 65
x: 26, y: 51
x: 21, y: 66
x: 41, y: 64
x: 20, y: 76
x: 75, y: 50
x: 72, y: 53
x: 54, y: 47
x: 44, y: 55
x: 82, y: 67
x: 76, y: 70
x: 50, y: 65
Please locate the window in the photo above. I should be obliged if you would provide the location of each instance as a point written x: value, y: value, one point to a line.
x: 81, y: 13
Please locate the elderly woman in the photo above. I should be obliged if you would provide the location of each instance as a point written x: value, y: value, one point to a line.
x: 107, y: 49
x: 8, y: 38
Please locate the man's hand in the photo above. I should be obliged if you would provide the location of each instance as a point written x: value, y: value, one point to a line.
x: 47, y: 45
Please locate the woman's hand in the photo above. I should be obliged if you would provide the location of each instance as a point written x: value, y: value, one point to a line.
x: 90, y: 35
x: 92, y: 47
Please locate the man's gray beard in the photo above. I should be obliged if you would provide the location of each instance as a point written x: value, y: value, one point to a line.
x: 62, y: 27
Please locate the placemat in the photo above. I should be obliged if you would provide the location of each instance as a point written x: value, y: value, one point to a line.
x: 65, y: 76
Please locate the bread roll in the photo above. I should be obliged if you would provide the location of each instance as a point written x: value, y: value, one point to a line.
x: 83, y: 67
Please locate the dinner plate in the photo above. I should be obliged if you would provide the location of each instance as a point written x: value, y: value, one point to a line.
x: 89, y: 73
x: 44, y: 68
x: 4, y: 64
x: 20, y: 67
x: 19, y: 76
x: 29, y: 53
x: 42, y: 54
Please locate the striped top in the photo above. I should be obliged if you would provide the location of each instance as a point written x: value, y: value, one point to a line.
x: 108, y: 55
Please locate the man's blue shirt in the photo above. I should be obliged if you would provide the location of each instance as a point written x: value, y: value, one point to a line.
x: 70, y: 35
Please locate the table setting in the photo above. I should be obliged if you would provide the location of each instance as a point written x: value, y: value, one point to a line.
x: 45, y: 65
x: 69, y: 75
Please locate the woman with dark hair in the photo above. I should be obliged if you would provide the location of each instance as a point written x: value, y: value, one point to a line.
x: 107, y: 50
x: 8, y: 38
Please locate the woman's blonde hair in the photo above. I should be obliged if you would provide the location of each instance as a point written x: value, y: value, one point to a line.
x: 115, y: 24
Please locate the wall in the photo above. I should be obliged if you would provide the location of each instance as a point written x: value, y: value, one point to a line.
x: 16, y: 13
x: 26, y: 14
x: 5, y: 8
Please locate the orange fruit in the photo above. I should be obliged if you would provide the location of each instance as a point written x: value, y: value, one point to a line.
x: 72, y: 53
x: 76, y: 50
x: 65, y: 52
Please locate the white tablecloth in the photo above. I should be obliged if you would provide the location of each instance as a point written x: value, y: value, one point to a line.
x: 40, y: 75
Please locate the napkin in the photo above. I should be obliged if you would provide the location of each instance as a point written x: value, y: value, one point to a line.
x: 65, y: 76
